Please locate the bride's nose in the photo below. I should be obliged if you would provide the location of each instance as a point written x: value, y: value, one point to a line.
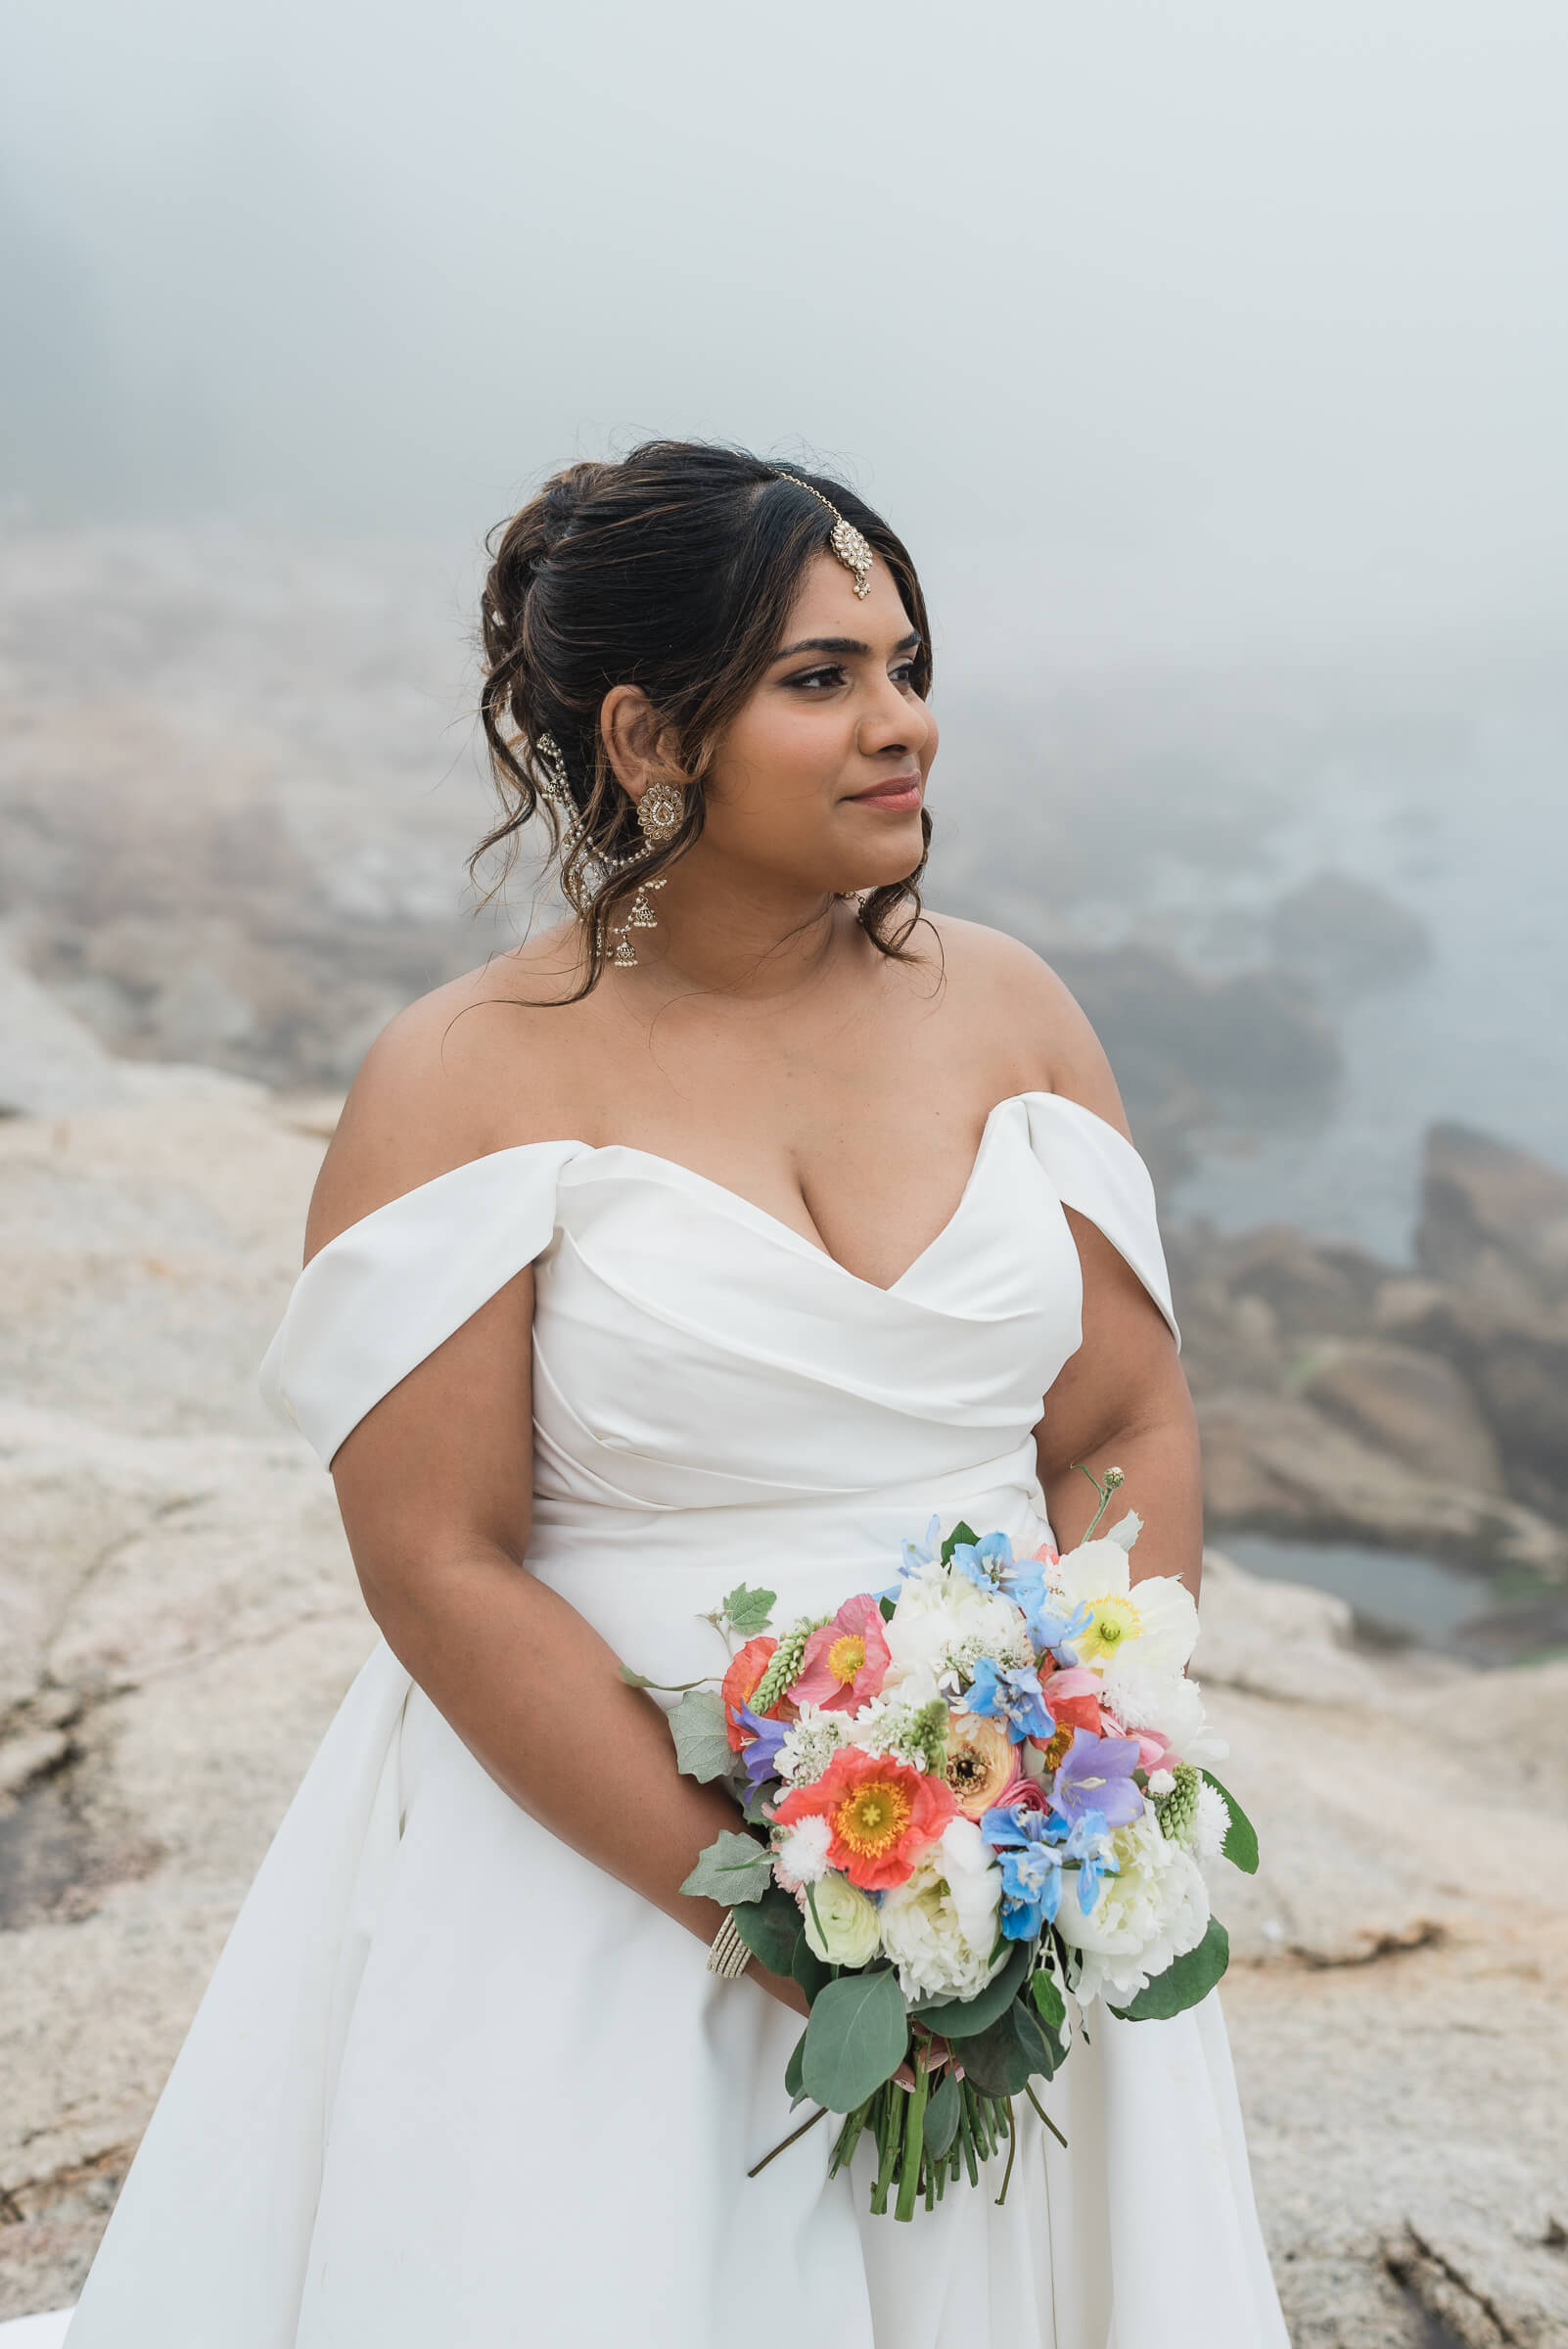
x: 892, y: 723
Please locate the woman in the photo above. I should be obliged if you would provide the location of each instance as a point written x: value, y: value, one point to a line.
x: 789, y: 1215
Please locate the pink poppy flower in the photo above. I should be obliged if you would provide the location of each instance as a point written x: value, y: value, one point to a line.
x: 846, y: 1661
x: 1073, y: 1697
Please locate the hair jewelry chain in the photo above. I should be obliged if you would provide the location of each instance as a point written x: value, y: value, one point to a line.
x: 853, y: 548
x: 659, y: 814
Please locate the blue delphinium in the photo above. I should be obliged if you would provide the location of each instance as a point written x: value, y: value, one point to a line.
x: 1030, y: 1848
x: 1010, y: 1692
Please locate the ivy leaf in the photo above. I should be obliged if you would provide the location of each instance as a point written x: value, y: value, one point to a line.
x: 770, y: 1928
x: 886, y: 1608
x: 1184, y: 1983
x: 733, y: 1870
x: 1240, y: 1846
x: 855, y: 2039
x: 702, y: 1745
x: 960, y: 1532
x: 749, y: 1610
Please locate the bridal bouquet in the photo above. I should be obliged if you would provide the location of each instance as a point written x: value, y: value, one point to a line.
x: 982, y: 1802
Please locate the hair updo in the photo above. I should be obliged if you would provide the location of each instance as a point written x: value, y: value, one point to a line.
x: 674, y: 570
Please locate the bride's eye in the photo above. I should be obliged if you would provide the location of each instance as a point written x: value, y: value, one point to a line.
x: 817, y: 679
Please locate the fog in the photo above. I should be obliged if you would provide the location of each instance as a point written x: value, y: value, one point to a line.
x: 1155, y: 330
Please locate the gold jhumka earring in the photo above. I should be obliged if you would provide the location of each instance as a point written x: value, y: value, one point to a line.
x: 661, y: 812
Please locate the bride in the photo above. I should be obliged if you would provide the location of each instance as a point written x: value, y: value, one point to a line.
x: 785, y: 1214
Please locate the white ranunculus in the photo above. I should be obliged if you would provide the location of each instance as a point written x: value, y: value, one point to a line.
x: 939, y: 1612
x: 1155, y: 1911
x: 842, y: 1925
x: 801, y: 1854
x: 939, y: 1927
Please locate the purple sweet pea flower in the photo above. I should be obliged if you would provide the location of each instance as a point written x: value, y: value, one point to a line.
x: 763, y: 1752
x: 1096, y: 1777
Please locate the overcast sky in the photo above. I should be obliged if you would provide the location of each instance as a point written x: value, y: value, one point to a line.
x: 1147, y: 324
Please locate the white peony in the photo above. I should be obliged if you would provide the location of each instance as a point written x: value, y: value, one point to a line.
x: 943, y: 1623
x: 1171, y: 1704
x: 1155, y: 1911
x: 842, y: 1925
x: 801, y: 1854
x: 939, y: 1927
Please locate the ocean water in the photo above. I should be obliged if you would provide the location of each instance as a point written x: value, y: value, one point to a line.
x: 1472, y: 837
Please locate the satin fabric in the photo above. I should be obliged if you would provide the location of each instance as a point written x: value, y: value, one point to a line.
x: 450, y: 2082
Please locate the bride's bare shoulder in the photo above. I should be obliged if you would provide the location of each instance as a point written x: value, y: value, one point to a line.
x: 1013, y: 1003
x: 473, y: 1066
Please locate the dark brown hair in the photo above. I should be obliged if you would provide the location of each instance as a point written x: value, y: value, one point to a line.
x: 674, y: 569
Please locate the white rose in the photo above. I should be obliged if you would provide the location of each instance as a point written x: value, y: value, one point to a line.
x: 939, y: 1926
x: 842, y: 1925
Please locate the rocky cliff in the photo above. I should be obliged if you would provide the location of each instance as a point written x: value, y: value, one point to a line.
x: 178, y: 1620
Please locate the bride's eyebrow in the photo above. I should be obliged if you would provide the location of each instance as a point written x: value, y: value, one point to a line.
x: 850, y: 646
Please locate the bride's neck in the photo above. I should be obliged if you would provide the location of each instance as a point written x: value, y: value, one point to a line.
x: 747, y: 935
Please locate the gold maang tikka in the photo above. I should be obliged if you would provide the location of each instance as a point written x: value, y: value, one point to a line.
x: 852, y: 546
x: 661, y: 812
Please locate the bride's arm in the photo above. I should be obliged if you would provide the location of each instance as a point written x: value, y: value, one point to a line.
x: 1121, y: 1401
x: 435, y: 1489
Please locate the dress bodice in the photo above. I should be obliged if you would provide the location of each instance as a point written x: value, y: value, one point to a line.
x: 690, y: 1350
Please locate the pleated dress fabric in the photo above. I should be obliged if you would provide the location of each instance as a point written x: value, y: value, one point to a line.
x: 453, y: 2085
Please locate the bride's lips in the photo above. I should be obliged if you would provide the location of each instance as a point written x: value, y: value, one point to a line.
x: 897, y: 795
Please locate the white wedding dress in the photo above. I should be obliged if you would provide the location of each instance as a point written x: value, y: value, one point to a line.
x: 452, y: 2087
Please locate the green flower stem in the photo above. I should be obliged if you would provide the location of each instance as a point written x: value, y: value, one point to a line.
x: 1012, y: 2148
x: 848, y: 2138
x: 889, y: 2122
x: 913, y: 2139
x: 785, y: 2143
x: 1029, y: 2091
x: 966, y: 2138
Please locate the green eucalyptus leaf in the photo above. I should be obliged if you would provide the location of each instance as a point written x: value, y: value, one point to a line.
x: 791, y: 2071
x: 755, y: 1803
x: 1049, y: 2004
x: 702, y: 1745
x: 962, y: 2018
x: 748, y: 1611
x: 1001, y: 2060
x: 856, y: 2040
x: 942, y: 2116
x: 1240, y: 1846
x: 1183, y: 1983
x: 733, y: 1870
x: 808, y: 1970
x: 770, y: 1928
x: 642, y: 1680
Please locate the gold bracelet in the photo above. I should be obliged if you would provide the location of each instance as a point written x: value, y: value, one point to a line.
x: 727, y: 1955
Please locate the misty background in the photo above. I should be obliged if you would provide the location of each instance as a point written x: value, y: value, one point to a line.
x: 1212, y: 362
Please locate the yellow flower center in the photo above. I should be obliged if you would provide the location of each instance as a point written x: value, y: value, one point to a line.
x: 871, y: 1820
x: 847, y: 1656
x: 1057, y: 1751
x: 1114, y: 1619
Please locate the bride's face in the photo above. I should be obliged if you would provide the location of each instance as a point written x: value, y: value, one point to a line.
x: 821, y: 775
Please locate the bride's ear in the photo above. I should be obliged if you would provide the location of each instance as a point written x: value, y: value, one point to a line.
x: 631, y: 730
